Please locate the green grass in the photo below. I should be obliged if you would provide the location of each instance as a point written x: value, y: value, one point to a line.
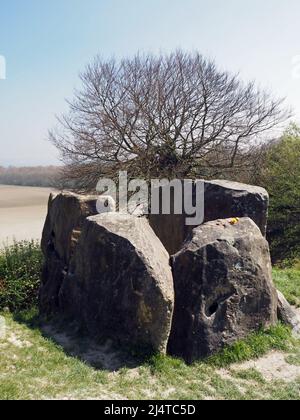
x: 294, y: 359
x: 20, y: 272
x: 256, y: 345
x: 288, y: 282
x: 32, y: 366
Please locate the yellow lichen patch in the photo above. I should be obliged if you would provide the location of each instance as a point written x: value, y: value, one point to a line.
x: 234, y: 220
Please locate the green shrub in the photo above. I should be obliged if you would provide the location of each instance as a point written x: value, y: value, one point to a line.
x: 281, y: 178
x: 20, y: 269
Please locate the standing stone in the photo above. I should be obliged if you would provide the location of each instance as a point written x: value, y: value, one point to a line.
x: 223, y: 288
x: 222, y: 199
x: 66, y: 214
x: 120, y: 284
x: 287, y: 314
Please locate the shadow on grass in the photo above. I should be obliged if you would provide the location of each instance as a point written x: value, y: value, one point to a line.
x: 104, y: 355
x: 108, y: 356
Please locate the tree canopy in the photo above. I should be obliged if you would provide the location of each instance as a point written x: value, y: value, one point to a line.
x: 281, y: 177
x: 174, y: 115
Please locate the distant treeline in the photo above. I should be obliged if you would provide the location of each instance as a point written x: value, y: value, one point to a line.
x: 38, y: 176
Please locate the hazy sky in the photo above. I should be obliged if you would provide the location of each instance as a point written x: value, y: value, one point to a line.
x: 47, y: 42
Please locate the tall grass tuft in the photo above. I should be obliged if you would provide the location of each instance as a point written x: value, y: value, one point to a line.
x: 20, y: 270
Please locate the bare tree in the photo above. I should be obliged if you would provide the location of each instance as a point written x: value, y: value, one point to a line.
x: 170, y: 116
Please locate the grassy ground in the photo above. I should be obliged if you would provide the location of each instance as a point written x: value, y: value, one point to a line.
x: 34, y: 366
x: 288, y: 282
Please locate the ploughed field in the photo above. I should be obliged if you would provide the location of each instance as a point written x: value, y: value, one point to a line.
x: 22, y: 213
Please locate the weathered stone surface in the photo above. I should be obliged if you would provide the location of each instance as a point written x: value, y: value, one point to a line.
x: 111, y: 273
x: 223, y: 288
x: 222, y: 199
x: 120, y: 284
x: 170, y: 229
x: 287, y: 314
x: 66, y: 214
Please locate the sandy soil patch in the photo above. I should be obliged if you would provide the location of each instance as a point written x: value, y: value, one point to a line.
x: 273, y: 366
x: 22, y: 213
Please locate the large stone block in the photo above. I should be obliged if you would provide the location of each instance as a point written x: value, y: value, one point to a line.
x: 222, y: 199
x: 223, y: 288
x: 66, y: 214
x: 288, y: 315
x: 119, y: 284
